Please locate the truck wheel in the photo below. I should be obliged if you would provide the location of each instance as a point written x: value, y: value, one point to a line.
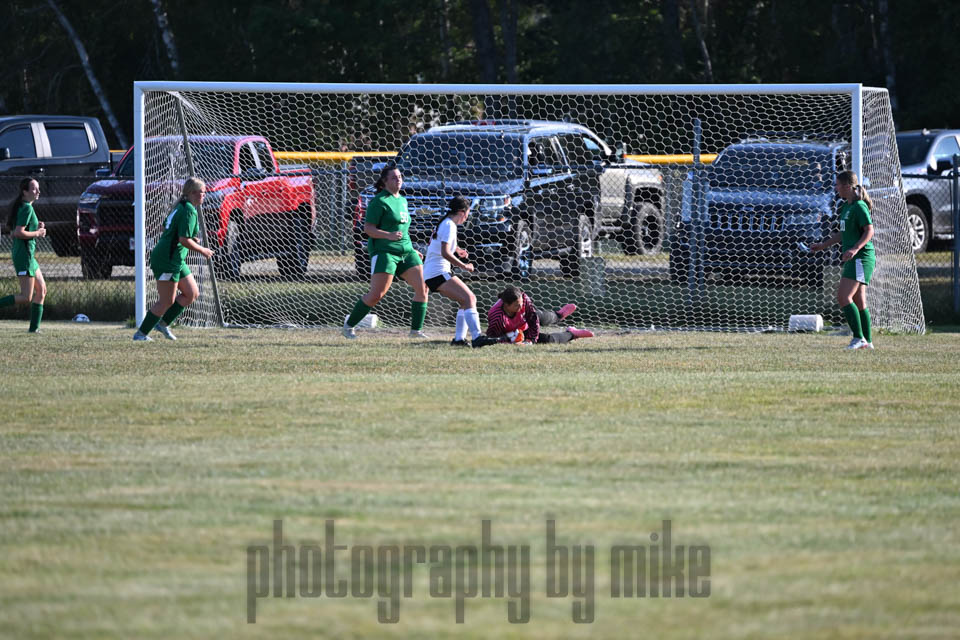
x: 521, y: 251
x: 93, y: 268
x: 294, y: 264
x: 583, y: 247
x: 645, y: 235
x: 227, y: 259
x: 919, y: 228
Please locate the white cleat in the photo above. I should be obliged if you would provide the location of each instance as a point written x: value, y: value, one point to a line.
x: 856, y: 343
x: 141, y: 337
x: 165, y: 332
x: 418, y: 335
x: 349, y: 332
x: 867, y: 345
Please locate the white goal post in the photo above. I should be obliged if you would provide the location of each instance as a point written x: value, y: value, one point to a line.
x: 649, y: 206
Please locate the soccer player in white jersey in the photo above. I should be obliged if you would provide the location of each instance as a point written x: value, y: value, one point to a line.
x: 442, y: 255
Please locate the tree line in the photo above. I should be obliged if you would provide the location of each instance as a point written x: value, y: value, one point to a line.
x: 82, y: 58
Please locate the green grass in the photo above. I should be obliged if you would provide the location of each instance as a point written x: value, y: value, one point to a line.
x: 134, y: 476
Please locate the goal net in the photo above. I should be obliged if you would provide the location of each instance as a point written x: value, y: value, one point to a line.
x: 661, y: 207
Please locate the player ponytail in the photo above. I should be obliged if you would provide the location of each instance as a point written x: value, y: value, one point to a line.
x: 850, y: 178
x: 457, y: 204
x: 15, y: 205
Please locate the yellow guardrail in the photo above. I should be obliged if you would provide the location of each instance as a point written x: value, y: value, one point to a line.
x: 328, y: 156
x: 681, y: 158
x: 345, y: 156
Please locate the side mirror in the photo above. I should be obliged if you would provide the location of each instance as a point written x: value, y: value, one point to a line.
x: 4, y: 153
x: 943, y: 164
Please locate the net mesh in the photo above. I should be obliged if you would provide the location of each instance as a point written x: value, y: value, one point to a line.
x: 646, y: 210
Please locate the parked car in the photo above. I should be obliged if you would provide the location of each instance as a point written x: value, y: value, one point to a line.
x: 254, y: 208
x: 64, y: 154
x: 539, y: 188
x: 760, y: 200
x: 928, y: 152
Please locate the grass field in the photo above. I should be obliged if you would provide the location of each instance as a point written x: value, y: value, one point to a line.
x: 826, y: 484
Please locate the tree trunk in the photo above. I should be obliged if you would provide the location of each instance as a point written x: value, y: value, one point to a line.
x: 483, y: 37
x: 445, y: 40
x: 167, y: 35
x: 886, y: 46
x: 94, y: 84
x: 707, y: 66
x: 508, y: 24
x: 673, y: 53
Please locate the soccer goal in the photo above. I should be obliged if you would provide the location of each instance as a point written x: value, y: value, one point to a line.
x: 666, y: 207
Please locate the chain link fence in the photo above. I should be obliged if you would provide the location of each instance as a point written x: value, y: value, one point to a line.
x: 933, y: 216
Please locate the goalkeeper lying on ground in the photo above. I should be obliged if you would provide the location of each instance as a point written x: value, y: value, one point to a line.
x: 514, y: 318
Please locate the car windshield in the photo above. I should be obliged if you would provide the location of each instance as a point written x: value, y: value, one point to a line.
x: 913, y: 149
x: 211, y: 159
x: 779, y: 169
x: 478, y: 157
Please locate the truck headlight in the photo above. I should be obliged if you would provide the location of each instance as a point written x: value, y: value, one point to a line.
x: 90, y: 200
x: 492, y: 209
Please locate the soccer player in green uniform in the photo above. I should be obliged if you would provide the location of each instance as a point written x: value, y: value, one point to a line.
x: 169, y: 263
x: 857, y: 256
x: 25, y: 229
x: 386, y: 224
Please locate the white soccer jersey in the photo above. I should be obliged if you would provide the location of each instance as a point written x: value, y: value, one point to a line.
x: 434, y: 264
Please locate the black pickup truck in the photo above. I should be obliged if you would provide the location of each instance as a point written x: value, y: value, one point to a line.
x: 540, y: 189
x: 64, y: 154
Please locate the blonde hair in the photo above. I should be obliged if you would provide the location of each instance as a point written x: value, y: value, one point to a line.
x: 850, y: 178
x: 192, y: 185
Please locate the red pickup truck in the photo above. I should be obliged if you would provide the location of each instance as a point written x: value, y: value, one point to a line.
x: 254, y: 208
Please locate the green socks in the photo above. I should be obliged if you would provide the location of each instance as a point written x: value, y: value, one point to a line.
x: 866, y: 325
x: 360, y: 311
x: 36, y: 312
x: 6, y: 301
x: 172, y: 314
x: 852, y: 314
x: 149, y: 322
x: 418, y: 313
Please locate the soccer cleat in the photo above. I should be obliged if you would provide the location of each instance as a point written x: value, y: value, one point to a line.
x: 418, y: 334
x: 566, y: 310
x: 165, y: 331
x: 580, y: 333
x: 459, y: 343
x: 856, y: 343
x: 349, y: 332
x: 867, y: 345
x: 483, y: 341
x: 141, y: 337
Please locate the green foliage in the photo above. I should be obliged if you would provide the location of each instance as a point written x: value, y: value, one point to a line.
x: 610, y: 41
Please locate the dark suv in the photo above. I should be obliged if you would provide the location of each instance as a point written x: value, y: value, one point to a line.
x: 747, y: 213
x: 540, y: 190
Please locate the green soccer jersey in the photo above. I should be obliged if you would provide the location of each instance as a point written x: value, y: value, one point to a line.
x: 169, y: 254
x: 388, y: 212
x: 854, y: 216
x: 23, y: 250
